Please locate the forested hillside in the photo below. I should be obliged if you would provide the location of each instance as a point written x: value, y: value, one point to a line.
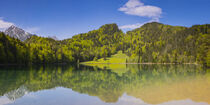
x: 13, y: 51
x: 153, y: 42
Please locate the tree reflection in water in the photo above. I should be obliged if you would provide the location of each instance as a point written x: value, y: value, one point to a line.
x: 154, y: 84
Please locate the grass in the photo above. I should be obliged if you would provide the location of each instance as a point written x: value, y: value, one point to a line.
x: 114, y: 59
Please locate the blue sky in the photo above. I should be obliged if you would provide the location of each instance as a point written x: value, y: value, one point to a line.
x: 65, y: 18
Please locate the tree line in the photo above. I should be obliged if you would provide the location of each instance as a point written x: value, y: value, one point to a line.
x: 153, y: 42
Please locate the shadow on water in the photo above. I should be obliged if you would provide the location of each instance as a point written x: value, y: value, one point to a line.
x: 154, y: 84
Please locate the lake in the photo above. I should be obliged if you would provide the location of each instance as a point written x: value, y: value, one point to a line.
x: 116, y: 84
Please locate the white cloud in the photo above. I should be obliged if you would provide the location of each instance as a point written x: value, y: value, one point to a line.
x: 4, y: 100
x: 137, y: 8
x: 4, y: 24
x: 131, y: 26
x: 32, y: 29
x: 133, y: 3
x: 137, y: 25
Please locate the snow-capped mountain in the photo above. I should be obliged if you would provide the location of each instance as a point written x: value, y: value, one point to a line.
x: 18, y: 33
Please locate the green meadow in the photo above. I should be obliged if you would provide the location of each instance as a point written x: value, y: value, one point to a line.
x: 118, y: 58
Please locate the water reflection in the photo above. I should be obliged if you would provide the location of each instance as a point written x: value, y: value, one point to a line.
x: 105, y: 84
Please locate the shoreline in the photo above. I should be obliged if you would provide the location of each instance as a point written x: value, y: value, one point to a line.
x: 149, y: 63
x: 145, y: 63
x: 36, y: 64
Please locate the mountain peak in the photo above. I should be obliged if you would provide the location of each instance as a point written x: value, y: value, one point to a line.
x: 12, y: 26
x: 17, y: 32
x: 152, y: 24
x: 109, y: 28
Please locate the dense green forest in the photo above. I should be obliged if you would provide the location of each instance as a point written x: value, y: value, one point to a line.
x: 153, y: 42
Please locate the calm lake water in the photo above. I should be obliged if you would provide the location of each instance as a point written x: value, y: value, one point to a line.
x: 105, y: 85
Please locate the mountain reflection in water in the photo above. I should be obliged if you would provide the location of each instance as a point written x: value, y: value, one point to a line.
x: 105, y: 84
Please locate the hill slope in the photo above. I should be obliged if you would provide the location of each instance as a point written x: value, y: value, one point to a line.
x: 155, y: 42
